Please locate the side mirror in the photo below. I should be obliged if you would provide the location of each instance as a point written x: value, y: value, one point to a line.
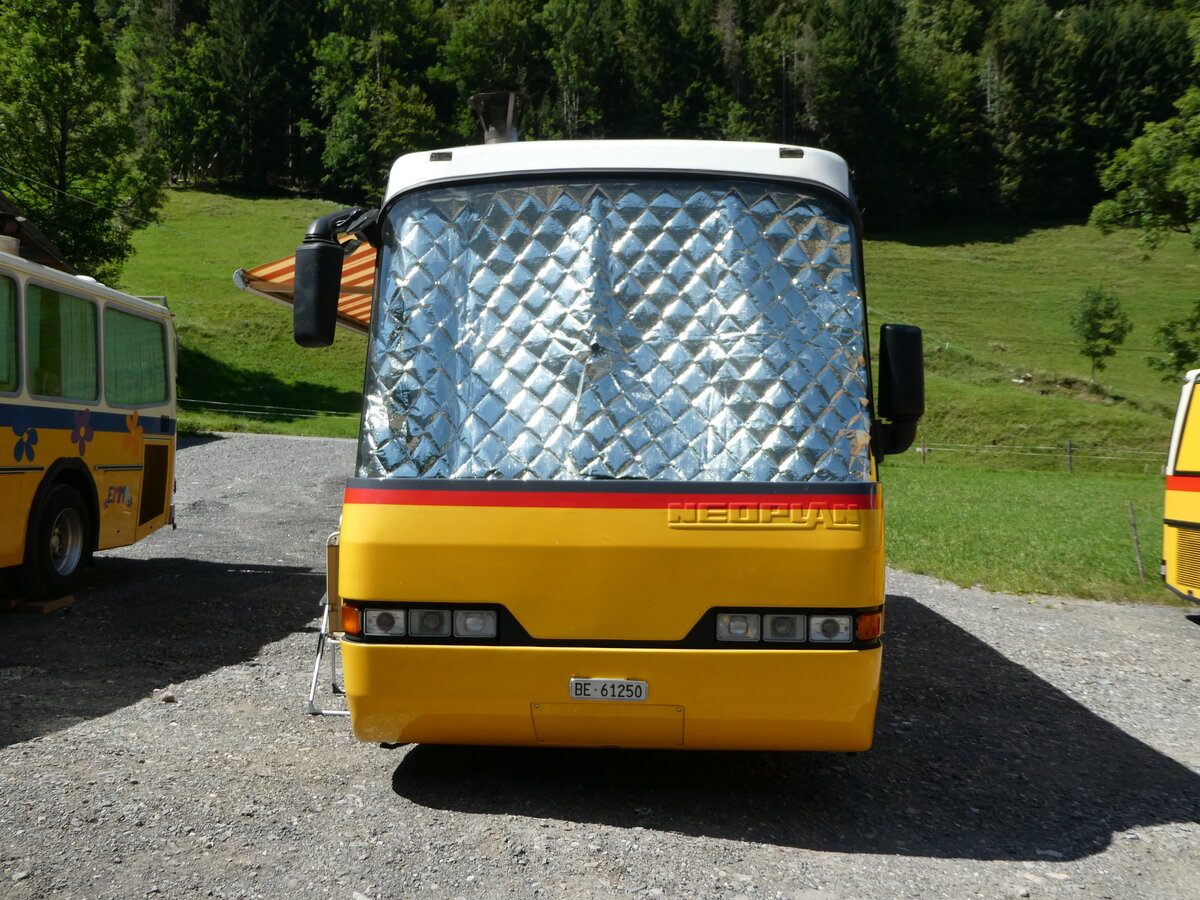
x: 901, y: 388
x: 318, y: 284
x: 319, y: 274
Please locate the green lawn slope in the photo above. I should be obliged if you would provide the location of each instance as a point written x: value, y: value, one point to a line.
x: 995, y: 306
x: 239, y: 368
x: 995, y: 500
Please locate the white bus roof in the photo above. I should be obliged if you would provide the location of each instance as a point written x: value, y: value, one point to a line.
x: 755, y: 160
x: 80, y: 284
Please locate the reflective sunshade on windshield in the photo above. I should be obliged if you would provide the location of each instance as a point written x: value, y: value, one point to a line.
x: 659, y: 329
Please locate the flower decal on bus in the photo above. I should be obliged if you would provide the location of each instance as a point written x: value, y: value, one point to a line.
x: 133, y: 440
x: 27, y: 438
x: 82, y: 432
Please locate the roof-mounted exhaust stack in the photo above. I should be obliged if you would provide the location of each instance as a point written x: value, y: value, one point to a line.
x: 500, y: 114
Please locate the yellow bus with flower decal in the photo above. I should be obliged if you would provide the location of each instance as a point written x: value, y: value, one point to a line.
x: 87, y: 422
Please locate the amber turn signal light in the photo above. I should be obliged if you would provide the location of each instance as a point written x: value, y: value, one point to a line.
x: 870, y: 626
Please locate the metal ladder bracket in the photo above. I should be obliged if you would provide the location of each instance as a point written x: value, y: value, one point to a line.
x: 324, y: 638
x: 331, y: 613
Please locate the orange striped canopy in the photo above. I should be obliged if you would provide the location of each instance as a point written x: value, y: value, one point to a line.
x: 277, y: 281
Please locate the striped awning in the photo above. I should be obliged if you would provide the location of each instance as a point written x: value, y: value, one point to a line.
x: 277, y: 281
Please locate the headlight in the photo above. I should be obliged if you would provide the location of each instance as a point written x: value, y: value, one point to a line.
x: 783, y: 628
x: 738, y: 627
x: 829, y: 629
x: 429, y: 622
x: 474, y: 623
x: 383, y: 621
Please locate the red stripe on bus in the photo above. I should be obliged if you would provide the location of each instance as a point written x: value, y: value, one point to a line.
x: 596, y: 500
x: 1183, y: 482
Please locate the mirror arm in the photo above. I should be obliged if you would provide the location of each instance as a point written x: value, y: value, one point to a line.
x: 362, y: 223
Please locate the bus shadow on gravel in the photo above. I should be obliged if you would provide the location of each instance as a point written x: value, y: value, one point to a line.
x: 139, y: 625
x: 975, y: 757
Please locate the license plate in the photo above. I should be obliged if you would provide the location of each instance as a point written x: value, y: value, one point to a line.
x: 608, y: 689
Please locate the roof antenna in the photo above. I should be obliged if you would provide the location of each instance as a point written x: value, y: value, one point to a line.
x: 499, y: 113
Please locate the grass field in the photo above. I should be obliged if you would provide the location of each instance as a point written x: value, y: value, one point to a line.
x: 1004, y: 370
x: 1003, y: 295
x: 1039, y: 532
x: 239, y: 368
x: 992, y: 505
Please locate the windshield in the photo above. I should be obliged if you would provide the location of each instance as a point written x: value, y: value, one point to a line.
x: 658, y: 328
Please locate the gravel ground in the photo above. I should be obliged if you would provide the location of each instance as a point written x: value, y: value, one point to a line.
x: 153, y: 744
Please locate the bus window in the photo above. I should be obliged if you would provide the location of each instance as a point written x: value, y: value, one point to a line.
x: 8, y: 334
x: 135, y: 361
x: 61, y: 336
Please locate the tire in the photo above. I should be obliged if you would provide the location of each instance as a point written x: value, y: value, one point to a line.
x: 58, y: 544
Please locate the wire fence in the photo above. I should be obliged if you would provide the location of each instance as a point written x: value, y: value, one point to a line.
x: 263, y: 411
x: 1067, y: 454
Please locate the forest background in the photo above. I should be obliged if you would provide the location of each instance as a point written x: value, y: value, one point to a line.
x: 982, y: 134
x: 946, y: 109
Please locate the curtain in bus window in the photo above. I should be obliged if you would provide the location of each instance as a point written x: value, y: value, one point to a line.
x: 8, y: 334
x: 135, y: 365
x: 61, y: 335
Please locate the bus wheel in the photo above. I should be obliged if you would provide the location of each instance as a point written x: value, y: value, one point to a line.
x: 57, y: 544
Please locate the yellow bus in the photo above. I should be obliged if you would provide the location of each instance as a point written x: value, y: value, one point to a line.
x: 1181, y: 506
x: 616, y: 481
x: 87, y: 422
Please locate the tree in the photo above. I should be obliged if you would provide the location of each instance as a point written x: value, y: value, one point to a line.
x: 495, y: 45
x: 1028, y: 83
x: 1155, y: 181
x: 1100, y: 325
x: 68, y: 155
x: 368, y: 87
x: 1155, y: 187
x: 581, y: 49
x: 259, y: 52
x: 168, y: 57
x: 684, y: 70
x: 1179, y: 340
x: 946, y: 144
x: 852, y: 98
x: 1068, y: 86
x: 1130, y: 63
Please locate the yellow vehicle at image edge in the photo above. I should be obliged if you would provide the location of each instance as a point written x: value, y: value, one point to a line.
x: 616, y: 482
x: 1181, y: 506
x: 87, y: 421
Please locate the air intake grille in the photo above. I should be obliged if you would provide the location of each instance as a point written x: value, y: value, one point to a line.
x: 1187, y: 557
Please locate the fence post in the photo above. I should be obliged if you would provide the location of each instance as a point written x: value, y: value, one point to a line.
x: 1137, y: 545
x: 1069, y: 466
x: 923, y: 450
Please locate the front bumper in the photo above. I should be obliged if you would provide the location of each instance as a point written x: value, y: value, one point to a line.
x: 731, y: 699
